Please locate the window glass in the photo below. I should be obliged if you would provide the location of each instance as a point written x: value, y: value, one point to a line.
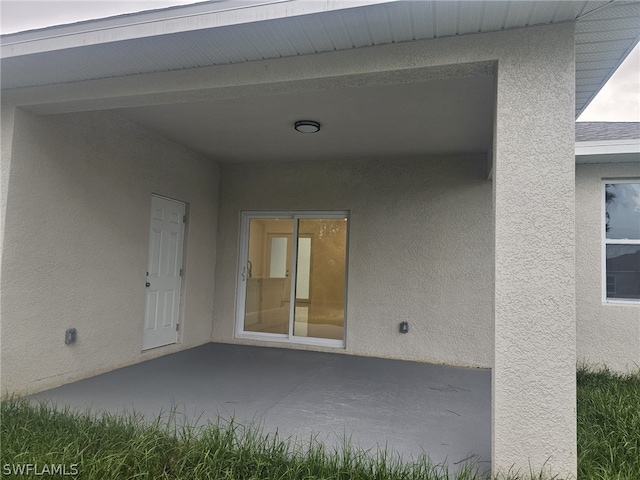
x: 321, y: 312
x: 623, y: 271
x: 268, y: 275
x: 622, y: 240
x: 623, y: 210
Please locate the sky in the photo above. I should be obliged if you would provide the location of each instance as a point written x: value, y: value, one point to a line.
x: 618, y: 101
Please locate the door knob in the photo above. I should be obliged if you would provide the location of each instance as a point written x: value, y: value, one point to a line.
x: 147, y: 284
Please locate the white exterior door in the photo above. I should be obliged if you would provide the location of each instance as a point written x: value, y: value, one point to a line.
x: 164, y: 264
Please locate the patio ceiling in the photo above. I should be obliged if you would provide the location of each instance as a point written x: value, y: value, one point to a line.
x: 447, y: 116
x: 436, y: 116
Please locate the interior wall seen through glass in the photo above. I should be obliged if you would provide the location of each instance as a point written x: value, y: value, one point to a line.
x: 318, y: 277
x: 268, y: 276
x: 319, y: 310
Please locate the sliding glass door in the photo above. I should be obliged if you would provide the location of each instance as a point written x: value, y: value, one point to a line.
x: 292, y: 282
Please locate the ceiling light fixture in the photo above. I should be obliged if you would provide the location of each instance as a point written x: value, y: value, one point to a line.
x: 307, y: 126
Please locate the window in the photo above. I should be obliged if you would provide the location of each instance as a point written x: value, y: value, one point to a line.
x: 621, y: 245
x: 292, y: 277
x: 611, y: 285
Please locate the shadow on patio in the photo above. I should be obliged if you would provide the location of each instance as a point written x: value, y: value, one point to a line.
x: 407, y: 407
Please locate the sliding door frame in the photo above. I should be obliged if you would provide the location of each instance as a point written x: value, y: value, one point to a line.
x: 242, y: 276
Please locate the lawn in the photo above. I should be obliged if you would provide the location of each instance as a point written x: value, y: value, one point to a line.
x: 608, y: 425
x: 40, y: 439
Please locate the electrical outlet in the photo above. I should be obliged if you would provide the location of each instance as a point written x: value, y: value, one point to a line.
x: 70, y: 336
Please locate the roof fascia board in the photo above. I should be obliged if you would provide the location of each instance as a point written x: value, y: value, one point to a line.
x: 606, y: 147
x: 164, y: 22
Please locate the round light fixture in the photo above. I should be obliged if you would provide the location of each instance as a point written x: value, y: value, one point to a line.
x: 307, y: 126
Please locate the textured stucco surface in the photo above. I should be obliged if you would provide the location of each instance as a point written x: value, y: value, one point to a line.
x: 419, y: 249
x: 84, y: 182
x: 534, y: 298
x: 6, y: 141
x: 608, y: 333
x: 535, y: 327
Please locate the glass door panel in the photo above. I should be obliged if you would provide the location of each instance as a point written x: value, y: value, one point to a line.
x: 320, y: 285
x: 292, y: 277
x: 268, y: 275
x: 303, y: 269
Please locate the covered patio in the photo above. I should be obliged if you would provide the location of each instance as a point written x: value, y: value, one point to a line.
x: 444, y: 138
x: 409, y: 408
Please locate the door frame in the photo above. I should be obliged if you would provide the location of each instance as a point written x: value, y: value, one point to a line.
x: 243, y: 257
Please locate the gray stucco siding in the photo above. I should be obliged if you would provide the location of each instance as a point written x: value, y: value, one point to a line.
x: 608, y: 333
x: 76, y: 240
x: 419, y: 249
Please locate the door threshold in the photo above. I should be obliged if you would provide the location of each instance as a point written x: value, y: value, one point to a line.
x: 312, y: 341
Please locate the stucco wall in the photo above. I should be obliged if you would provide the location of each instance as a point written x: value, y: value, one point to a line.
x: 608, y: 333
x: 420, y: 249
x: 534, y: 389
x: 85, y: 181
x: 533, y: 297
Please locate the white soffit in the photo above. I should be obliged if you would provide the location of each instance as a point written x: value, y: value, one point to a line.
x: 232, y: 31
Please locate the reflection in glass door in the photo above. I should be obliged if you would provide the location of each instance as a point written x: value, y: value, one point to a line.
x: 305, y: 303
x: 267, y: 274
x: 319, y: 308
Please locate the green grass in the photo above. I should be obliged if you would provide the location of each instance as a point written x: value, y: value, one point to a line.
x: 127, y: 447
x: 110, y: 446
x: 608, y: 425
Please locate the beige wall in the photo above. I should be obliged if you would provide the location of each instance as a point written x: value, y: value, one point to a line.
x: 84, y: 182
x: 608, y: 333
x: 420, y: 249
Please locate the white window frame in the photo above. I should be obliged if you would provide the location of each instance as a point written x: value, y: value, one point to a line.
x: 245, y: 217
x: 613, y: 282
x: 612, y: 241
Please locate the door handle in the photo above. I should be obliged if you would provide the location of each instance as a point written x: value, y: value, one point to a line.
x: 147, y: 284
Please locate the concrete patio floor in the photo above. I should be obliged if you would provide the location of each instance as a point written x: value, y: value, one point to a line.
x: 407, y: 407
